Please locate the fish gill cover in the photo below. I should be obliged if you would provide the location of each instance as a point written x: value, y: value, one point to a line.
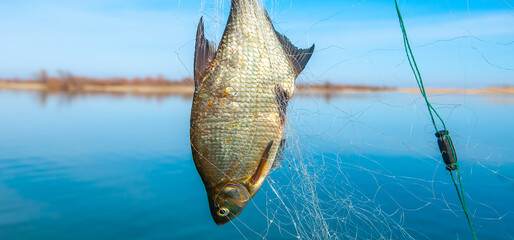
x: 381, y: 169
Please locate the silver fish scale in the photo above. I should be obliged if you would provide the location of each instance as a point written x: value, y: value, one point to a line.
x: 235, y: 110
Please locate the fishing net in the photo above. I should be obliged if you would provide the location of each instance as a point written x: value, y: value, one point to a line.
x: 365, y: 165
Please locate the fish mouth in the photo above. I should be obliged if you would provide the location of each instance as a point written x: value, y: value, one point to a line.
x: 227, y: 202
x: 221, y: 221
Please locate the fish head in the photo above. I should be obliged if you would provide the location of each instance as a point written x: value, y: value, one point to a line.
x: 228, y: 202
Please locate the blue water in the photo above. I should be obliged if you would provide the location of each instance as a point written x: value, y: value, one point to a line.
x: 120, y: 167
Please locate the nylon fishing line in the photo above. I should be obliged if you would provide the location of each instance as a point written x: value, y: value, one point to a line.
x: 338, y: 178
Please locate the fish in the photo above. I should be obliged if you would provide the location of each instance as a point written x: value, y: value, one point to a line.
x: 238, y: 116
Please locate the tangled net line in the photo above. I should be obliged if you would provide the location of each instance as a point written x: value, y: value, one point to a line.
x: 327, y: 195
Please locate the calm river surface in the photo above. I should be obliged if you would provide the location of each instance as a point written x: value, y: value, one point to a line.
x: 357, y: 166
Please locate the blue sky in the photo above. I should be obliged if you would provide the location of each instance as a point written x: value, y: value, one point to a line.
x: 456, y: 43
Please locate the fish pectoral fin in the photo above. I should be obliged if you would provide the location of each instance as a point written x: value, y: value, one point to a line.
x: 262, y: 165
x: 282, y: 97
x: 279, y: 158
x: 298, y: 56
x: 205, y: 52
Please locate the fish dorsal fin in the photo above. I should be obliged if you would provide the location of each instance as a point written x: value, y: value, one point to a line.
x: 262, y: 165
x: 298, y: 56
x: 205, y: 52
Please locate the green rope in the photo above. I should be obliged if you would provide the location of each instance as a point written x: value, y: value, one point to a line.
x: 463, y: 200
x: 432, y: 112
x: 415, y: 70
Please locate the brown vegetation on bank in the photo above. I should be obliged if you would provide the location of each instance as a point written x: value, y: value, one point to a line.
x: 159, y: 86
x: 70, y: 84
x: 67, y: 83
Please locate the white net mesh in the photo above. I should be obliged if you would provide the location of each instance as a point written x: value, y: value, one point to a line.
x: 370, y: 169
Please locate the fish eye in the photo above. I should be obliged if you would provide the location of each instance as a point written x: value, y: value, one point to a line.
x: 223, y: 212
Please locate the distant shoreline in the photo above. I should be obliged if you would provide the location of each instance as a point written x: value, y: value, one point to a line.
x: 160, y: 86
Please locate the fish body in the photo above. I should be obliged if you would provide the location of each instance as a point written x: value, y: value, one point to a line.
x: 238, y: 115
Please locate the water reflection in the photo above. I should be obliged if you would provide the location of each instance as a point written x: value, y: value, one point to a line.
x: 119, y: 166
x: 500, y: 99
x: 68, y: 98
